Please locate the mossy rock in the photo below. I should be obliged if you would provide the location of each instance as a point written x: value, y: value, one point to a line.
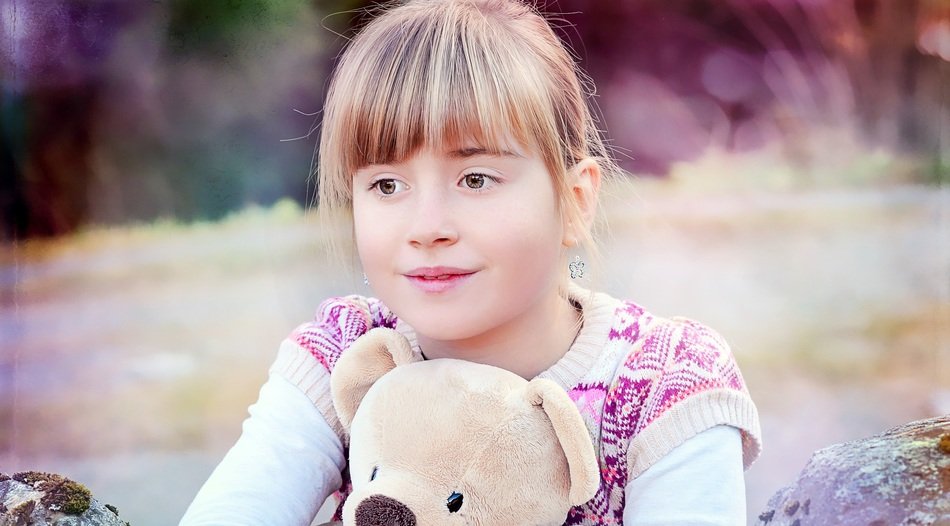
x: 33, y: 498
x: 898, y: 478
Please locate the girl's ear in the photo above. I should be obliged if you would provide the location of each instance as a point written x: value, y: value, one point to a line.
x: 584, y: 184
x: 370, y: 357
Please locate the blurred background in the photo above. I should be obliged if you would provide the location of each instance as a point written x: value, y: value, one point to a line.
x: 789, y: 185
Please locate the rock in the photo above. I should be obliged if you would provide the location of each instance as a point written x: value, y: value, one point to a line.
x: 40, y: 499
x: 898, y: 478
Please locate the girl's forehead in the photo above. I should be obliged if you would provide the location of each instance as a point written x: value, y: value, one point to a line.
x: 459, y: 151
x: 503, y: 145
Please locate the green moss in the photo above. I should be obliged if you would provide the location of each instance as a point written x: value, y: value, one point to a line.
x: 30, y: 478
x: 72, y: 497
x: 944, y: 443
x: 61, y: 494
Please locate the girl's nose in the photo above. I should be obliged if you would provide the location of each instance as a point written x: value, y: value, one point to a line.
x: 433, y: 223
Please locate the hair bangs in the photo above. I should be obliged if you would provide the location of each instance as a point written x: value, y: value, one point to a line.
x: 430, y: 84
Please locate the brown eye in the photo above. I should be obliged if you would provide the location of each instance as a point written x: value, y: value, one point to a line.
x: 454, y: 502
x: 386, y: 186
x: 475, y: 181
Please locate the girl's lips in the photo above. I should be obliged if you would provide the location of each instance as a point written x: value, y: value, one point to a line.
x: 438, y: 280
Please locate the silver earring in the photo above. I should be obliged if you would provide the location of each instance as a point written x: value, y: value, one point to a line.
x: 577, y: 268
x: 365, y: 279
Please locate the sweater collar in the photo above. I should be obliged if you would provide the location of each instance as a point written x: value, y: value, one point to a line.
x: 597, y: 313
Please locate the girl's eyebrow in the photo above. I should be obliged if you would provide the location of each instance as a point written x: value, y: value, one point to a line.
x: 464, y: 153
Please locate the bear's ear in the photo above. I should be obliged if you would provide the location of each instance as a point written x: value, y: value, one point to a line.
x: 371, y: 356
x: 572, y: 434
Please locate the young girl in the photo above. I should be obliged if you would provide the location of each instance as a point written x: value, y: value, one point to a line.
x: 457, y: 141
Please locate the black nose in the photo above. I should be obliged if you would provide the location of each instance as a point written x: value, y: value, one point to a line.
x: 380, y: 510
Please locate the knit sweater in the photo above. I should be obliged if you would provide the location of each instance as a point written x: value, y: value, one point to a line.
x: 643, y: 384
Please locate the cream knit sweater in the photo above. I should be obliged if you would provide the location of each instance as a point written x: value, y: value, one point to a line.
x: 644, y: 384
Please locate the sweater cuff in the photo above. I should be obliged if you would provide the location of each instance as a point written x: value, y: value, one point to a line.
x: 299, y: 367
x: 691, y: 417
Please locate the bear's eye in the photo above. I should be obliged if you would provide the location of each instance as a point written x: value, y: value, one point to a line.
x: 454, y: 502
x: 372, y: 475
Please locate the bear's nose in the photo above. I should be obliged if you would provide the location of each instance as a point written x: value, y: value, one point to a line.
x: 380, y: 510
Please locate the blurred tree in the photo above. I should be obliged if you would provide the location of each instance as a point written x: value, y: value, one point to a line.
x: 220, y: 26
x: 119, y: 110
x: 50, y: 80
x: 743, y: 72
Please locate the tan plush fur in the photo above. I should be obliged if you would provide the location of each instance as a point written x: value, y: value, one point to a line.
x: 518, y: 452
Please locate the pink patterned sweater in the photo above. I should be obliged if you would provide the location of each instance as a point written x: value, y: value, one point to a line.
x: 643, y: 384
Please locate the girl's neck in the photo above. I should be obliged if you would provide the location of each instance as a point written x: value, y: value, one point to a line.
x: 527, y: 346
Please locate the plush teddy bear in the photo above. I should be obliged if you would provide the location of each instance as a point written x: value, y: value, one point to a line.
x: 443, y: 442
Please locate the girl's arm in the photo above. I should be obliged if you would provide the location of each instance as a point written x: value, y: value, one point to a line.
x: 290, y: 457
x: 284, y: 465
x: 698, y: 483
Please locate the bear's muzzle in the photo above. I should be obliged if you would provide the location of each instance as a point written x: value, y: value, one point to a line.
x: 380, y: 510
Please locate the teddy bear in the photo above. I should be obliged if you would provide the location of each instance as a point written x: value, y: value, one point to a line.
x: 445, y: 442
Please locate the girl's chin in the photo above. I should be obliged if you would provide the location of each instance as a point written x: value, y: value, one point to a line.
x: 428, y: 331
x: 444, y: 325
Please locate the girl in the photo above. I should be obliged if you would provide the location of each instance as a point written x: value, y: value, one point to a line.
x: 458, y: 143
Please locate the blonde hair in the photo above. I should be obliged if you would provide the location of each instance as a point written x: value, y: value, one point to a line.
x: 443, y: 72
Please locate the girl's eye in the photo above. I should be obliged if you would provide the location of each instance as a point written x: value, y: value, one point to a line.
x: 388, y: 186
x: 476, y: 181
x: 372, y: 475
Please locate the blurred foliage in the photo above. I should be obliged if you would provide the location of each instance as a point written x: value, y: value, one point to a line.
x: 200, y: 25
x: 739, y: 74
x: 130, y: 110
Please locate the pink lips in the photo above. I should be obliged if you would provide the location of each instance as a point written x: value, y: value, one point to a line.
x: 438, y: 279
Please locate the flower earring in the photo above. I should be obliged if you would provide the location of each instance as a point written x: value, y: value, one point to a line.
x: 365, y: 279
x: 577, y: 268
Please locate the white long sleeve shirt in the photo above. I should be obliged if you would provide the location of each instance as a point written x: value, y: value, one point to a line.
x: 288, y: 461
